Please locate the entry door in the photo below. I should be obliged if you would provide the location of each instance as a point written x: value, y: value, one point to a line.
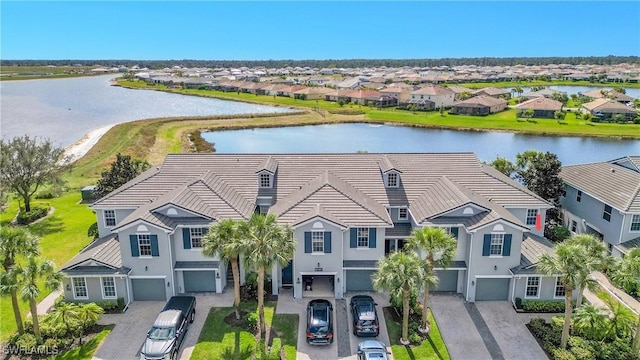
x: 287, y: 274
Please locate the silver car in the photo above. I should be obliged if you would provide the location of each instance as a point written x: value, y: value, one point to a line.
x: 372, y: 350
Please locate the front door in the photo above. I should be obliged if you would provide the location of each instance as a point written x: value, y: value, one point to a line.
x: 287, y: 274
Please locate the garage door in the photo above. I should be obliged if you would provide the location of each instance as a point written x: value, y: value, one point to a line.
x: 492, y: 289
x: 359, y: 280
x: 148, y: 289
x: 447, y: 280
x: 199, y: 281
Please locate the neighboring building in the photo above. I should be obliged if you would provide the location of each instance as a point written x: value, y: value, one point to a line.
x: 479, y: 105
x: 440, y: 96
x: 603, y: 199
x: 542, y: 107
x: 399, y: 93
x: 607, y: 109
x: 493, y: 92
x: 546, y: 92
x: 459, y: 90
x: 608, y: 94
x: 312, y: 93
x: 347, y: 211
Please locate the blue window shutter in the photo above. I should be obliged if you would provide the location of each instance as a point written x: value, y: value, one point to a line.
x: 307, y: 242
x: 506, y: 247
x: 133, y: 239
x: 454, y: 232
x: 327, y: 242
x: 372, y: 238
x: 154, y: 246
x: 486, y: 246
x: 353, y: 241
x: 186, y: 238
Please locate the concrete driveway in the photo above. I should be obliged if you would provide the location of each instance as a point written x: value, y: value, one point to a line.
x: 382, y: 300
x: 128, y: 335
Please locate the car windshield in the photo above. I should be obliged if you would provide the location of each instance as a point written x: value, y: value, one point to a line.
x: 375, y: 356
x: 161, y: 333
x: 366, y: 322
x: 319, y: 321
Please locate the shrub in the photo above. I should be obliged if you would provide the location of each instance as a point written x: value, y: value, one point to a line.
x: 111, y: 307
x: 518, y: 303
x: 616, y: 350
x: 26, y: 341
x: 415, y: 338
x: 252, y: 320
x: 581, y: 349
x: 562, y: 354
x: 543, y: 306
x: 38, y: 211
x: 274, y: 350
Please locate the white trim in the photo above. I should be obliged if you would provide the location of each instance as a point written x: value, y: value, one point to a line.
x: 631, y: 223
x: 386, y: 179
x: 115, y: 288
x: 493, y: 276
x: 73, y: 288
x: 267, y: 173
x: 148, y: 276
x: 470, y: 203
x: 449, y: 268
x: 555, y: 287
x: 319, y: 218
x: 104, y: 218
x: 170, y: 204
x: 359, y: 268
x: 503, y: 221
x: 539, y: 287
x: 197, y: 269
x: 406, y: 214
x: 140, y: 221
x: 307, y: 273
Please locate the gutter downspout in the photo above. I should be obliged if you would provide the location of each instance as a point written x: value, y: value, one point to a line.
x: 469, y: 267
x: 513, y: 290
x: 127, y: 280
x: 173, y: 280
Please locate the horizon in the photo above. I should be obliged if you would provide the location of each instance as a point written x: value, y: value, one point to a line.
x: 298, y: 31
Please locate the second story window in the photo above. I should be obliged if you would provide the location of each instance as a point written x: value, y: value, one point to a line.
x: 574, y: 226
x: 144, y: 244
x: 265, y: 180
x: 196, y: 237
x: 579, y: 196
x: 363, y: 237
x: 317, y: 241
x: 497, y: 240
x: 110, y: 218
x: 392, y: 180
x: 531, y: 216
x: 635, y: 223
x: 606, y: 214
x: 403, y: 214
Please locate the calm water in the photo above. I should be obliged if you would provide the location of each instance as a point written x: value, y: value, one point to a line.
x: 350, y: 138
x: 633, y: 92
x: 65, y: 109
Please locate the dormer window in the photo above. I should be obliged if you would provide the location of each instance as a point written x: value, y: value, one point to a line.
x: 403, y: 214
x: 392, y: 180
x: 265, y: 180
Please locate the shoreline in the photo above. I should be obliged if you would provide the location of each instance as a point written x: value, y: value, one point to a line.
x: 81, y: 147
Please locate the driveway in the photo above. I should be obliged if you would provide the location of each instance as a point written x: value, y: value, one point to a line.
x: 128, y: 335
x: 509, y: 331
x: 382, y: 300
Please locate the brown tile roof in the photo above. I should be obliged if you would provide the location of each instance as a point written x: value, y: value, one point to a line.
x: 492, y: 91
x: 482, y: 100
x: 608, y: 105
x: 541, y: 103
x: 533, y: 247
x: 104, y: 252
x: 433, y: 90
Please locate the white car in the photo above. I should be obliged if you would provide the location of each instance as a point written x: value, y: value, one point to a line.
x: 372, y: 350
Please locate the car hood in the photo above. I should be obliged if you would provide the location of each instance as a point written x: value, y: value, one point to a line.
x: 156, y: 348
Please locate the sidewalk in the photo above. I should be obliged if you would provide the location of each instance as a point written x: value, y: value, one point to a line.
x: 47, y: 303
x: 620, y: 295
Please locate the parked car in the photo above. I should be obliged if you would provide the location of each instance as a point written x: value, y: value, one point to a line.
x: 170, y: 328
x: 319, y: 322
x: 365, y: 317
x: 372, y: 350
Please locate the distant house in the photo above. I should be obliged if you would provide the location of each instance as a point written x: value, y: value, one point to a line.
x: 608, y: 94
x: 417, y: 104
x: 479, y: 105
x: 440, y: 96
x: 363, y: 97
x: 383, y: 101
x: 542, y: 107
x: 311, y: 93
x: 607, y: 109
x: 548, y: 93
x: 317, y: 80
x: 397, y: 92
x: 458, y: 90
x: 493, y: 92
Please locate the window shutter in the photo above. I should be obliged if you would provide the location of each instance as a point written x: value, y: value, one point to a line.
x: 372, y: 238
x: 186, y: 238
x: 353, y: 241
x: 154, y: 246
x: 135, y: 252
x: 327, y: 242
x: 307, y: 242
x: 506, y: 247
x: 454, y: 232
x: 486, y: 246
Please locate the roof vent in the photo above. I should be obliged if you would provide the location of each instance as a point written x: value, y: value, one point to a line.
x: 613, y: 170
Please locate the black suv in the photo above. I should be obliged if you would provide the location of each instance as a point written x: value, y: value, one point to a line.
x: 319, y: 322
x: 365, y: 317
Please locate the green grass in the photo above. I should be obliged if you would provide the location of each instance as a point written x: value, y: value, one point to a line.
x: 219, y: 340
x: 86, y: 350
x: 433, y: 348
x: 62, y: 235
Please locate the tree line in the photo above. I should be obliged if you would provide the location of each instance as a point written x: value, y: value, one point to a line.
x: 338, y: 63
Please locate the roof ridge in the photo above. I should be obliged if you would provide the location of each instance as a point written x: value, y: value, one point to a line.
x: 365, y: 196
x: 130, y: 184
x: 222, y: 183
x: 512, y: 184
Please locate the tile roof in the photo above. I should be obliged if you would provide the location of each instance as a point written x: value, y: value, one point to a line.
x: 482, y: 100
x: 196, y: 265
x: 612, y: 184
x: 533, y: 247
x: 399, y: 229
x: 433, y: 90
x: 102, y: 252
x: 492, y: 91
x: 540, y: 103
x: 608, y: 105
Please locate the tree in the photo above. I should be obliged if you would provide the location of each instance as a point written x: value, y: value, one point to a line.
x: 560, y: 96
x: 618, y: 118
x: 591, y: 321
x: 225, y: 239
x: 432, y: 242
x: 267, y: 244
x: 560, y: 115
x: 528, y: 113
x: 88, y: 314
x: 517, y: 90
x: 597, y: 259
x: 27, y: 164
x: 15, y: 242
x: 37, y: 269
x: 620, y: 89
x: 568, y: 264
x: 620, y: 321
x: 464, y: 95
x: 122, y: 171
x: 629, y: 268
x: 504, y: 166
x: 400, y: 273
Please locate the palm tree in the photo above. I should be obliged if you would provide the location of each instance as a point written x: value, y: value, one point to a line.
x: 35, y: 270
x: 400, y: 273
x: 620, y: 321
x: 88, y: 314
x: 568, y: 263
x: 14, y: 242
x: 66, y: 314
x: 432, y: 242
x: 630, y: 269
x: 225, y: 239
x: 591, y: 321
x: 267, y: 243
x: 597, y: 259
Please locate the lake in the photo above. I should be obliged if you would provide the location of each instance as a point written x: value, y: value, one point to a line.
x: 633, y: 92
x: 65, y: 109
x: 350, y: 138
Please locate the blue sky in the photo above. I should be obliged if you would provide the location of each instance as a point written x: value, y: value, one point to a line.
x: 150, y: 30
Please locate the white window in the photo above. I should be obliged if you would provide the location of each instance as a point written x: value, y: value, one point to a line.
x: 606, y: 214
x: 559, y: 293
x: 532, y: 214
x: 403, y: 214
x: 574, y: 226
x: 265, y: 180
x: 110, y: 218
x: 533, y: 287
x: 317, y: 241
x: 80, y: 288
x: 635, y: 223
x: 144, y: 244
x: 579, y: 196
x: 108, y: 288
x: 497, y: 240
x: 363, y: 237
x: 196, y: 237
x: 392, y: 180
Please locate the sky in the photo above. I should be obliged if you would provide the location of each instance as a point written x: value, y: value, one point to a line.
x: 215, y: 30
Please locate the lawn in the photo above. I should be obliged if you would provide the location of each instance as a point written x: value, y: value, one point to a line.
x: 86, y: 350
x: 431, y: 349
x: 219, y: 340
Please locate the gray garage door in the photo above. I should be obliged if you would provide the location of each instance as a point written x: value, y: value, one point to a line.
x: 199, y: 281
x: 448, y: 280
x: 148, y: 289
x: 359, y: 280
x: 492, y: 289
